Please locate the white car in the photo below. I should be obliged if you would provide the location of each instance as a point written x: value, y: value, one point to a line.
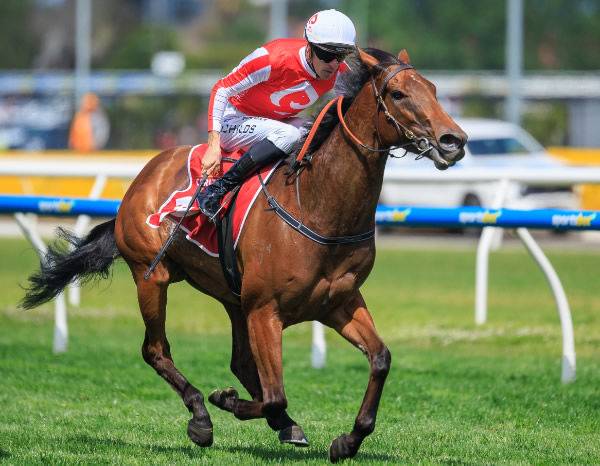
x: 492, y: 144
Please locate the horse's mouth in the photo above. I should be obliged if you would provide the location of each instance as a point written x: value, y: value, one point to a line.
x: 444, y: 161
x: 450, y: 148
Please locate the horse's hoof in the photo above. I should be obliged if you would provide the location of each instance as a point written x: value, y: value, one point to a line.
x: 200, y: 435
x: 219, y: 397
x: 294, y: 435
x: 339, y: 449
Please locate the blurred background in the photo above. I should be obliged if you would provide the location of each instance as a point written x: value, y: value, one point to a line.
x: 152, y: 63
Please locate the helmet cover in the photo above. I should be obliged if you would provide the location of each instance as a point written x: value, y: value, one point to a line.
x: 331, y: 30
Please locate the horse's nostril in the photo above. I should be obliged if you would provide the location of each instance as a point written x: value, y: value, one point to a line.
x: 451, y: 141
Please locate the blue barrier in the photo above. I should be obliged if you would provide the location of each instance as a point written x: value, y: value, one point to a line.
x: 479, y: 217
x: 59, y: 206
x: 446, y: 217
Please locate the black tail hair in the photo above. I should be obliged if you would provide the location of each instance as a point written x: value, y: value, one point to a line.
x: 86, y: 259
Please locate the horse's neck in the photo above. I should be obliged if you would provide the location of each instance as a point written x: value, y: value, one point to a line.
x: 345, y: 180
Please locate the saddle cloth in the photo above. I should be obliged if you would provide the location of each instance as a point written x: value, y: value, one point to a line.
x: 199, y: 229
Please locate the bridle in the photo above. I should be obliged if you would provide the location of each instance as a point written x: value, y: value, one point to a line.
x: 423, y: 145
x: 408, y: 134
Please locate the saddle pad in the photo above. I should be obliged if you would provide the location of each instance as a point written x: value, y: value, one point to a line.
x: 199, y: 230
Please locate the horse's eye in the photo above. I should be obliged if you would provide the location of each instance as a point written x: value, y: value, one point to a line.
x: 397, y: 95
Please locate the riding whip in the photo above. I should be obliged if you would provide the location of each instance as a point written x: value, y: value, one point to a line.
x: 172, y: 235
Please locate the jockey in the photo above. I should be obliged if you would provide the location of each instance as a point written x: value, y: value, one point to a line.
x: 253, y: 108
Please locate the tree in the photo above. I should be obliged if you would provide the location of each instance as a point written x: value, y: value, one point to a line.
x: 440, y: 35
x: 17, y: 44
x: 470, y: 34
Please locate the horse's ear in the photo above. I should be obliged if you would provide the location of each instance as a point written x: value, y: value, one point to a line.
x: 367, y: 59
x: 403, y: 57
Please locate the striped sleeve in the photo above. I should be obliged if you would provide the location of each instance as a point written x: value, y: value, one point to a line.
x: 253, y: 69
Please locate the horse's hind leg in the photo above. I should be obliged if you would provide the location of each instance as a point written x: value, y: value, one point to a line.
x: 354, y: 323
x: 244, y: 368
x: 152, y: 298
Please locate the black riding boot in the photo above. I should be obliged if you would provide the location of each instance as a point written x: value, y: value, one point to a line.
x: 259, y: 154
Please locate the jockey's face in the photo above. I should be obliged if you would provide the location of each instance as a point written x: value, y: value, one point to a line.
x: 324, y: 69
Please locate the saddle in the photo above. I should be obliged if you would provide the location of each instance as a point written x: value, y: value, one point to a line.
x: 220, y: 240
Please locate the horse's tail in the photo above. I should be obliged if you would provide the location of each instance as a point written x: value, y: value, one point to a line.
x: 80, y: 259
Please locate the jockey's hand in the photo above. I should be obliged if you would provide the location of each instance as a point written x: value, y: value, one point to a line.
x: 211, y: 162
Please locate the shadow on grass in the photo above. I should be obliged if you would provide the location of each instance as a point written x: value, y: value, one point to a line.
x: 299, y: 454
x: 191, y: 450
x: 284, y: 453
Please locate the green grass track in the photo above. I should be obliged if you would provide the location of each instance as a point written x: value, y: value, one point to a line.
x: 456, y: 393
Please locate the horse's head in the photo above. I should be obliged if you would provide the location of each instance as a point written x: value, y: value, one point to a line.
x: 408, y: 111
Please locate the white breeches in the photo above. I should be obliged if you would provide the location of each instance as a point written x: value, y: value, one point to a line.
x: 240, y: 131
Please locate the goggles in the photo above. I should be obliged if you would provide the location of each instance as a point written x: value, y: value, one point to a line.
x: 327, y: 56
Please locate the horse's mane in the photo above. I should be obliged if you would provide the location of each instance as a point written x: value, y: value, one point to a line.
x: 350, y: 85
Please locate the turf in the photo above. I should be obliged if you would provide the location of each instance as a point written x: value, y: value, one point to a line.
x: 457, y: 392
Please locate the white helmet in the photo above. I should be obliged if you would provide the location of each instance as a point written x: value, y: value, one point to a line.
x: 331, y: 30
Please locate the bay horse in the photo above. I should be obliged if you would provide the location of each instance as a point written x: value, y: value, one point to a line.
x: 287, y: 276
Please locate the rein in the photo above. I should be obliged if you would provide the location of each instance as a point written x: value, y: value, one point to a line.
x: 299, y: 225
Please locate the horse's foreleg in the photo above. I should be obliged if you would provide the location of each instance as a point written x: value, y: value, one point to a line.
x: 354, y: 323
x: 244, y: 368
x: 152, y: 298
x: 264, y: 336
